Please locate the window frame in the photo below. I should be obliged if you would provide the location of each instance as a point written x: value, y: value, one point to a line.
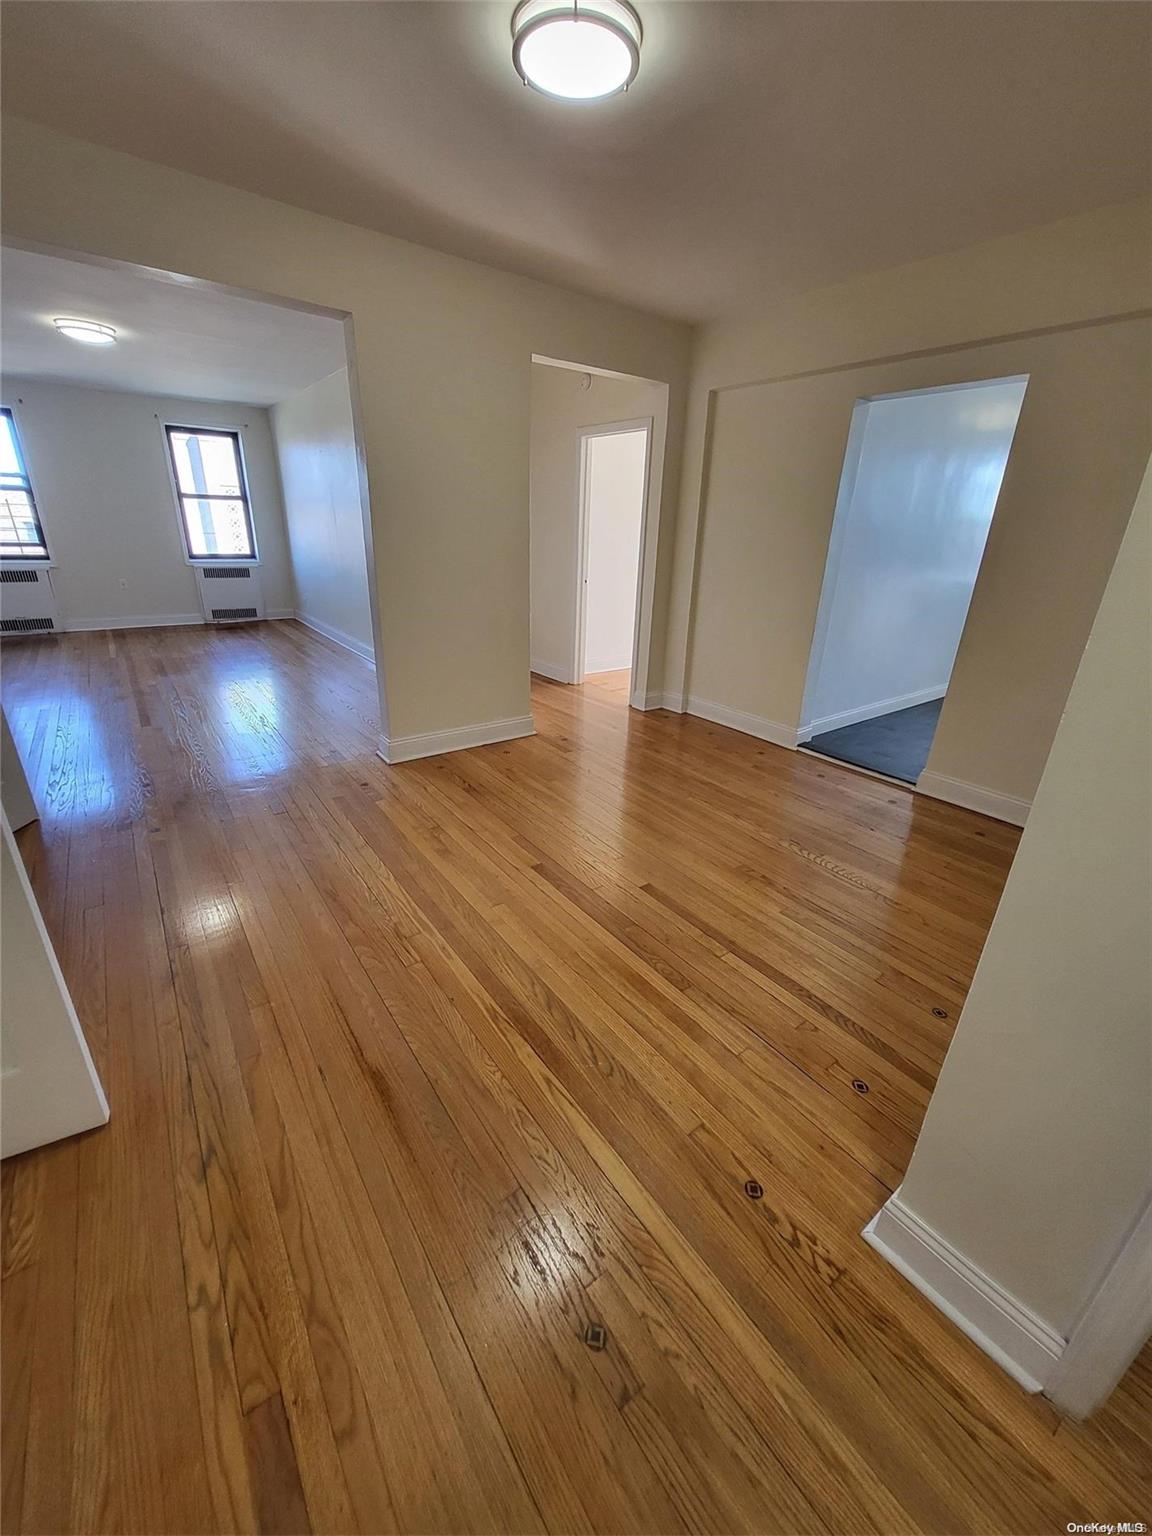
x: 180, y: 496
x: 21, y: 561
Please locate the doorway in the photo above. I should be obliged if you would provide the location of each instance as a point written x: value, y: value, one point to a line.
x: 228, y: 399
x: 922, y: 474
x: 613, y: 479
x: 597, y: 446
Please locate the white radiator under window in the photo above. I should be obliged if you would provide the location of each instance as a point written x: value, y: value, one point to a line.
x: 230, y: 594
x: 28, y: 602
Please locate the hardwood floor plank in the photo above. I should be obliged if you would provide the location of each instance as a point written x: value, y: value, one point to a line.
x: 417, y: 1071
x: 356, y: 1142
x: 268, y: 1332
x: 17, y: 1340
x: 280, y: 1504
x: 52, y: 1400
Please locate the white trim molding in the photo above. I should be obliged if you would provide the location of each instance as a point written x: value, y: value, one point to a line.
x: 551, y: 669
x: 157, y: 621
x: 1111, y: 1330
x: 402, y: 749
x: 1019, y: 1341
x: 658, y: 700
x: 338, y: 636
x: 740, y: 720
x: 974, y: 797
x: 870, y: 711
x: 135, y: 621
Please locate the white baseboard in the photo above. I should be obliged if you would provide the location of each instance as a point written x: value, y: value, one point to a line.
x: 655, y: 699
x: 357, y: 647
x: 1025, y: 1346
x: 1111, y: 1330
x: 155, y: 621
x: 402, y: 749
x: 870, y: 711
x: 974, y: 797
x: 552, y: 669
x: 591, y: 667
x: 136, y: 621
x: 739, y: 720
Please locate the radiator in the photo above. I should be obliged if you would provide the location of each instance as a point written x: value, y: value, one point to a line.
x: 230, y: 594
x: 28, y: 602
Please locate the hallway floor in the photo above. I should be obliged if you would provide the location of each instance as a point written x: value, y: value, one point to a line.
x: 416, y: 1072
x: 897, y: 744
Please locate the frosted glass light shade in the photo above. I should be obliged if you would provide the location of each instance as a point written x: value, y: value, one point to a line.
x: 581, y: 51
x: 90, y: 332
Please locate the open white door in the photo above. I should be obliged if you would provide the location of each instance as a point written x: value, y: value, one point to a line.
x: 48, y: 1084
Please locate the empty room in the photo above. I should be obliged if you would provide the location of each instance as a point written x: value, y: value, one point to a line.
x: 576, y: 767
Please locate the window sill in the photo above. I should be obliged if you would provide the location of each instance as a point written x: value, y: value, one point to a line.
x: 219, y: 560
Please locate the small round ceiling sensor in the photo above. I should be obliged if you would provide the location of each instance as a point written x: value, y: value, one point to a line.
x: 91, y: 332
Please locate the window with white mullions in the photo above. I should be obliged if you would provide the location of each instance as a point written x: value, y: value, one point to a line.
x: 208, y: 470
x: 21, y: 535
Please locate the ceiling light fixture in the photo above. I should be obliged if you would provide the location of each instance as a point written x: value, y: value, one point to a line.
x: 584, y: 50
x: 90, y: 332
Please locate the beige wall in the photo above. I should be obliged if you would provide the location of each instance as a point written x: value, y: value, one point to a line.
x: 99, y: 469
x: 443, y: 353
x: 319, y: 476
x: 1035, y: 1157
x: 442, y: 383
x: 763, y: 461
x: 560, y: 406
x: 777, y: 450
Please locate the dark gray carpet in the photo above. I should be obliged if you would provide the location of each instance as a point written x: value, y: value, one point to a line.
x: 896, y: 744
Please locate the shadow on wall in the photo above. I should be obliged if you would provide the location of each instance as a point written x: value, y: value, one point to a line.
x: 320, y: 476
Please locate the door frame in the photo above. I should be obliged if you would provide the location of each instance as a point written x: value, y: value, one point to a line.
x: 645, y: 565
x: 849, y: 473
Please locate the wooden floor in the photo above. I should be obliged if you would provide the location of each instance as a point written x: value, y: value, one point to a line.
x: 416, y: 1072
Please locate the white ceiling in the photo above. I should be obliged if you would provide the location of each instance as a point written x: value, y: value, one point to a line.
x: 767, y: 146
x: 174, y: 338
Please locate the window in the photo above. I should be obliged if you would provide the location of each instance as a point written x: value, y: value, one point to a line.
x: 21, y: 536
x: 212, y: 493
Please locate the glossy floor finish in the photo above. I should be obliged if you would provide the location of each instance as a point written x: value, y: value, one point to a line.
x: 416, y: 1072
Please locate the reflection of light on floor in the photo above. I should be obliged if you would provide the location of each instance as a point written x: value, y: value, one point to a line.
x: 76, y: 774
x: 249, y: 728
x: 551, y: 1251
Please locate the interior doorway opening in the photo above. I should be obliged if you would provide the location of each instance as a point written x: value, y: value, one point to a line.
x: 205, y: 470
x: 921, y: 478
x: 613, y: 476
x: 597, y: 447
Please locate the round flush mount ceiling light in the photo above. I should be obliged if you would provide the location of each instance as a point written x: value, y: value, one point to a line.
x: 90, y: 332
x: 582, y: 50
